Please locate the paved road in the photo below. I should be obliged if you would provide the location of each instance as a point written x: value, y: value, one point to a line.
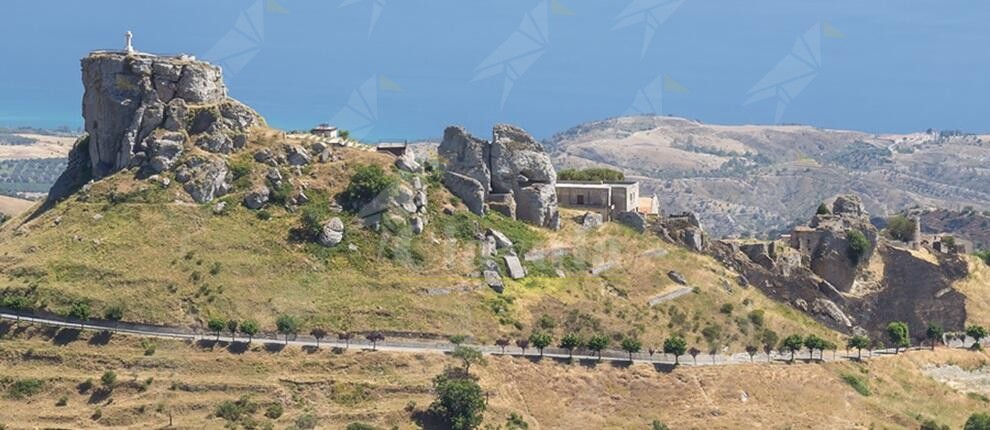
x: 425, y: 346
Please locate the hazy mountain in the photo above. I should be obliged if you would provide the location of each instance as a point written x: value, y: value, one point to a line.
x: 754, y: 180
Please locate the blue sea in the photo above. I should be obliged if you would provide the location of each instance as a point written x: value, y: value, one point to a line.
x: 390, y: 69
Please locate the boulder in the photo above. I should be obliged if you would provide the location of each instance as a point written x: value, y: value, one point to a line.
x: 592, y: 220
x: 537, y: 204
x: 469, y: 190
x: 504, y: 204
x: 677, y: 277
x: 164, y: 150
x: 417, y: 224
x: 332, y: 233
x: 405, y: 199
x: 466, y: 156
x: 501, y: 240
x: 257, y: 197
x: 517, y: 160
x: 175, y: 115
x: 494, y: 281
x: 515, y: 267
x: 635, y: 220
x: 849, y: 204
x: 263, y: 155
x: 201, y: 83
x: 297, y: 155
x: 204, y: 178
x: 407, y: 162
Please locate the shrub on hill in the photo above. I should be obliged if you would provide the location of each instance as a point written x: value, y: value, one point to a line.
x: 591, y: 174
x: 460, y: 402
x: 900, y: 228
x: 367, y: 182
x: 858, y: 245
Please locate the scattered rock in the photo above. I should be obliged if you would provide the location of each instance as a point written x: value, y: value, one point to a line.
x: 635, y: 220
x: 516, y: 270
x: 219, y: 208
x: 494, y: 281
x: 407, y: 162
x: 257, y: 197
x: 263, y: 155
x: 597, y: 270
x: 592, y: 220
x: 332, y: 233
x: 417, y: 225
x: 677, y: 277
x: 501, y: 240
x: 205, y: 178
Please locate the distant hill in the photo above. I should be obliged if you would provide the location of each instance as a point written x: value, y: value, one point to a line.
x: 755, y: 180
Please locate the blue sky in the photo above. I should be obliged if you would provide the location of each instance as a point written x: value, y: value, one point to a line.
x: 884, y: 66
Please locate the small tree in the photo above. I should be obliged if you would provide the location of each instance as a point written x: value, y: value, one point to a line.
x: 570, y: 342
x: 631, y: 345
x: 823, y: 210
x: 540, y: 340
x: 114, y: 313
x: 319, y: 334
x: 460, y: 402
x: 502, y: 343
x: 693, y: 352
x: 793, y: 343
x: 977, y: 332
x: 897, y: 332
x: 80, y: 311
x: 934, y: 334
x: 768, y: 349
x: 675, y: 345
x: 751, y: 350
x: 858, y: 342
x: 286, y: 325
x: 858, y: 245
x: 901, y: 228
x: 367, y: 182
x: 232, y: 328
x: 522, y: 344
x: 457, y: 339
x: 375, y: 337
x: 813, y: 342
x: 598, y: 343
x: 216, y: 325
x: 978, y: 421
x: 250, y: 328
x: 346, y: 337
x: 468, y: 356
x: 109, y: 380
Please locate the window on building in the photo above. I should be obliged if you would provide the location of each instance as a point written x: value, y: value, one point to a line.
x: 580, y: 199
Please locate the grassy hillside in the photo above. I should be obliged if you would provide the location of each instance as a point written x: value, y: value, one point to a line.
x: 45, y: 374
x: 170, y: 261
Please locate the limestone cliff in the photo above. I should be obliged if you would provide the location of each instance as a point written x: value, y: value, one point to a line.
x: 144, y: 111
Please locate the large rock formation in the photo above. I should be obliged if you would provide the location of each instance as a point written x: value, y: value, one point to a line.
x: 145, y: 111
x: 816, y: 271
x: 511, y: 175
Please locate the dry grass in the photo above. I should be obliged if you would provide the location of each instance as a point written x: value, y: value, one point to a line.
x: 343, y: 387
x: 14, y: 206
x: 975, y: 288
x: 44, y: 147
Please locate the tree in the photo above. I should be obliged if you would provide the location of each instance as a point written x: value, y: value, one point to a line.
x: 751, y: 350
x: 631, y: 345
x: 858, y: 342
x: 793, y: 343
x: 934, y: 333
x: 858, y: 245
x: 457, y: 339
x: 80, y: 311
x: 216, y: 325
x: 598, y: 343
x: 675, y: 345
x: 367, y: 182
x: 693, y: 352
x: 978, y: 421
x: 897, y: 332
x: 522, y: 344
x: 468, y: 356
x: 319, y: 334
x: 17, y: 304
x: 286, y: 325
x: 591, y: 174
x: 570, y: 342
x: 114, y: 313
x: 901, y: 228
x: 540, y: 340
x: 250, y: 328
x: 375, y: 337
x: 502, y: 343
x: 813, y: 342
x: 769, y: 339
x: 768, y: 349
x: 232, y: 328
x: 977, y: 332
x: 823, y: 210
x: 831, y: 346
x: 346, y: 337
x: 460, y: 403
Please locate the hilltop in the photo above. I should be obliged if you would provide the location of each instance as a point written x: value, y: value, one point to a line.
x: 755, y: 180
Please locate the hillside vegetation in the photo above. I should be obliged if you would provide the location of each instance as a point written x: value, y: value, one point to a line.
x: 135, y: 244
x: 55, y: 379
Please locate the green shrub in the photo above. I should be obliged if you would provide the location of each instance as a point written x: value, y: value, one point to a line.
x: 263, y: 215
x: 983, y: 255
x: 460, y: 402
x: 756, y: 316
x: 858, y: 245
x: 235, y: 410
x: 109, y: 379
x: 978, y: 421
x: 857, y: 383
x: 516, y: 422
x: 931, y: 424
x: 901, y: 228
x: 360, y: 426
x: 591, y: 174
x: 24, y: 388
x: 306, y: 422
x: 726, y: 308
x: 823, y: 210
x: 62, y: 401
x: 274, y: 411
x: 367, y: 182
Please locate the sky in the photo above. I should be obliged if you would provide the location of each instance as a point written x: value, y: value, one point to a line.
x: 405, y: 69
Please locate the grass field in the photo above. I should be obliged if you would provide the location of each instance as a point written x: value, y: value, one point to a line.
x: 45, y: 372
x: 14, y: 206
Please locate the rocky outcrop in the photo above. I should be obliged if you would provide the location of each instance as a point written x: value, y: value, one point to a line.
x: 332, y: 233
x: 204, y: 178
x: 511, y: 175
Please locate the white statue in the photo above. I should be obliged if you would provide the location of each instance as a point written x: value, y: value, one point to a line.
x: 127, y: 39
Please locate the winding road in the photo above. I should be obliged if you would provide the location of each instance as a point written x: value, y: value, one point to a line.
x: 425, y: 346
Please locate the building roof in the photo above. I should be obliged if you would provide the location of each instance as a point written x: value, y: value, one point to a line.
x: 392, y: 145
x: 586, y: 185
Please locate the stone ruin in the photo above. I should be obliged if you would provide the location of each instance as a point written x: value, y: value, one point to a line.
x: 511, y: 175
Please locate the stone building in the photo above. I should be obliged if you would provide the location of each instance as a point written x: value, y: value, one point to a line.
x: 325, y: 130
x: 605, y: 198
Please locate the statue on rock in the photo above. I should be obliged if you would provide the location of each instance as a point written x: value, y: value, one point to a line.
x: 128, y: 47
